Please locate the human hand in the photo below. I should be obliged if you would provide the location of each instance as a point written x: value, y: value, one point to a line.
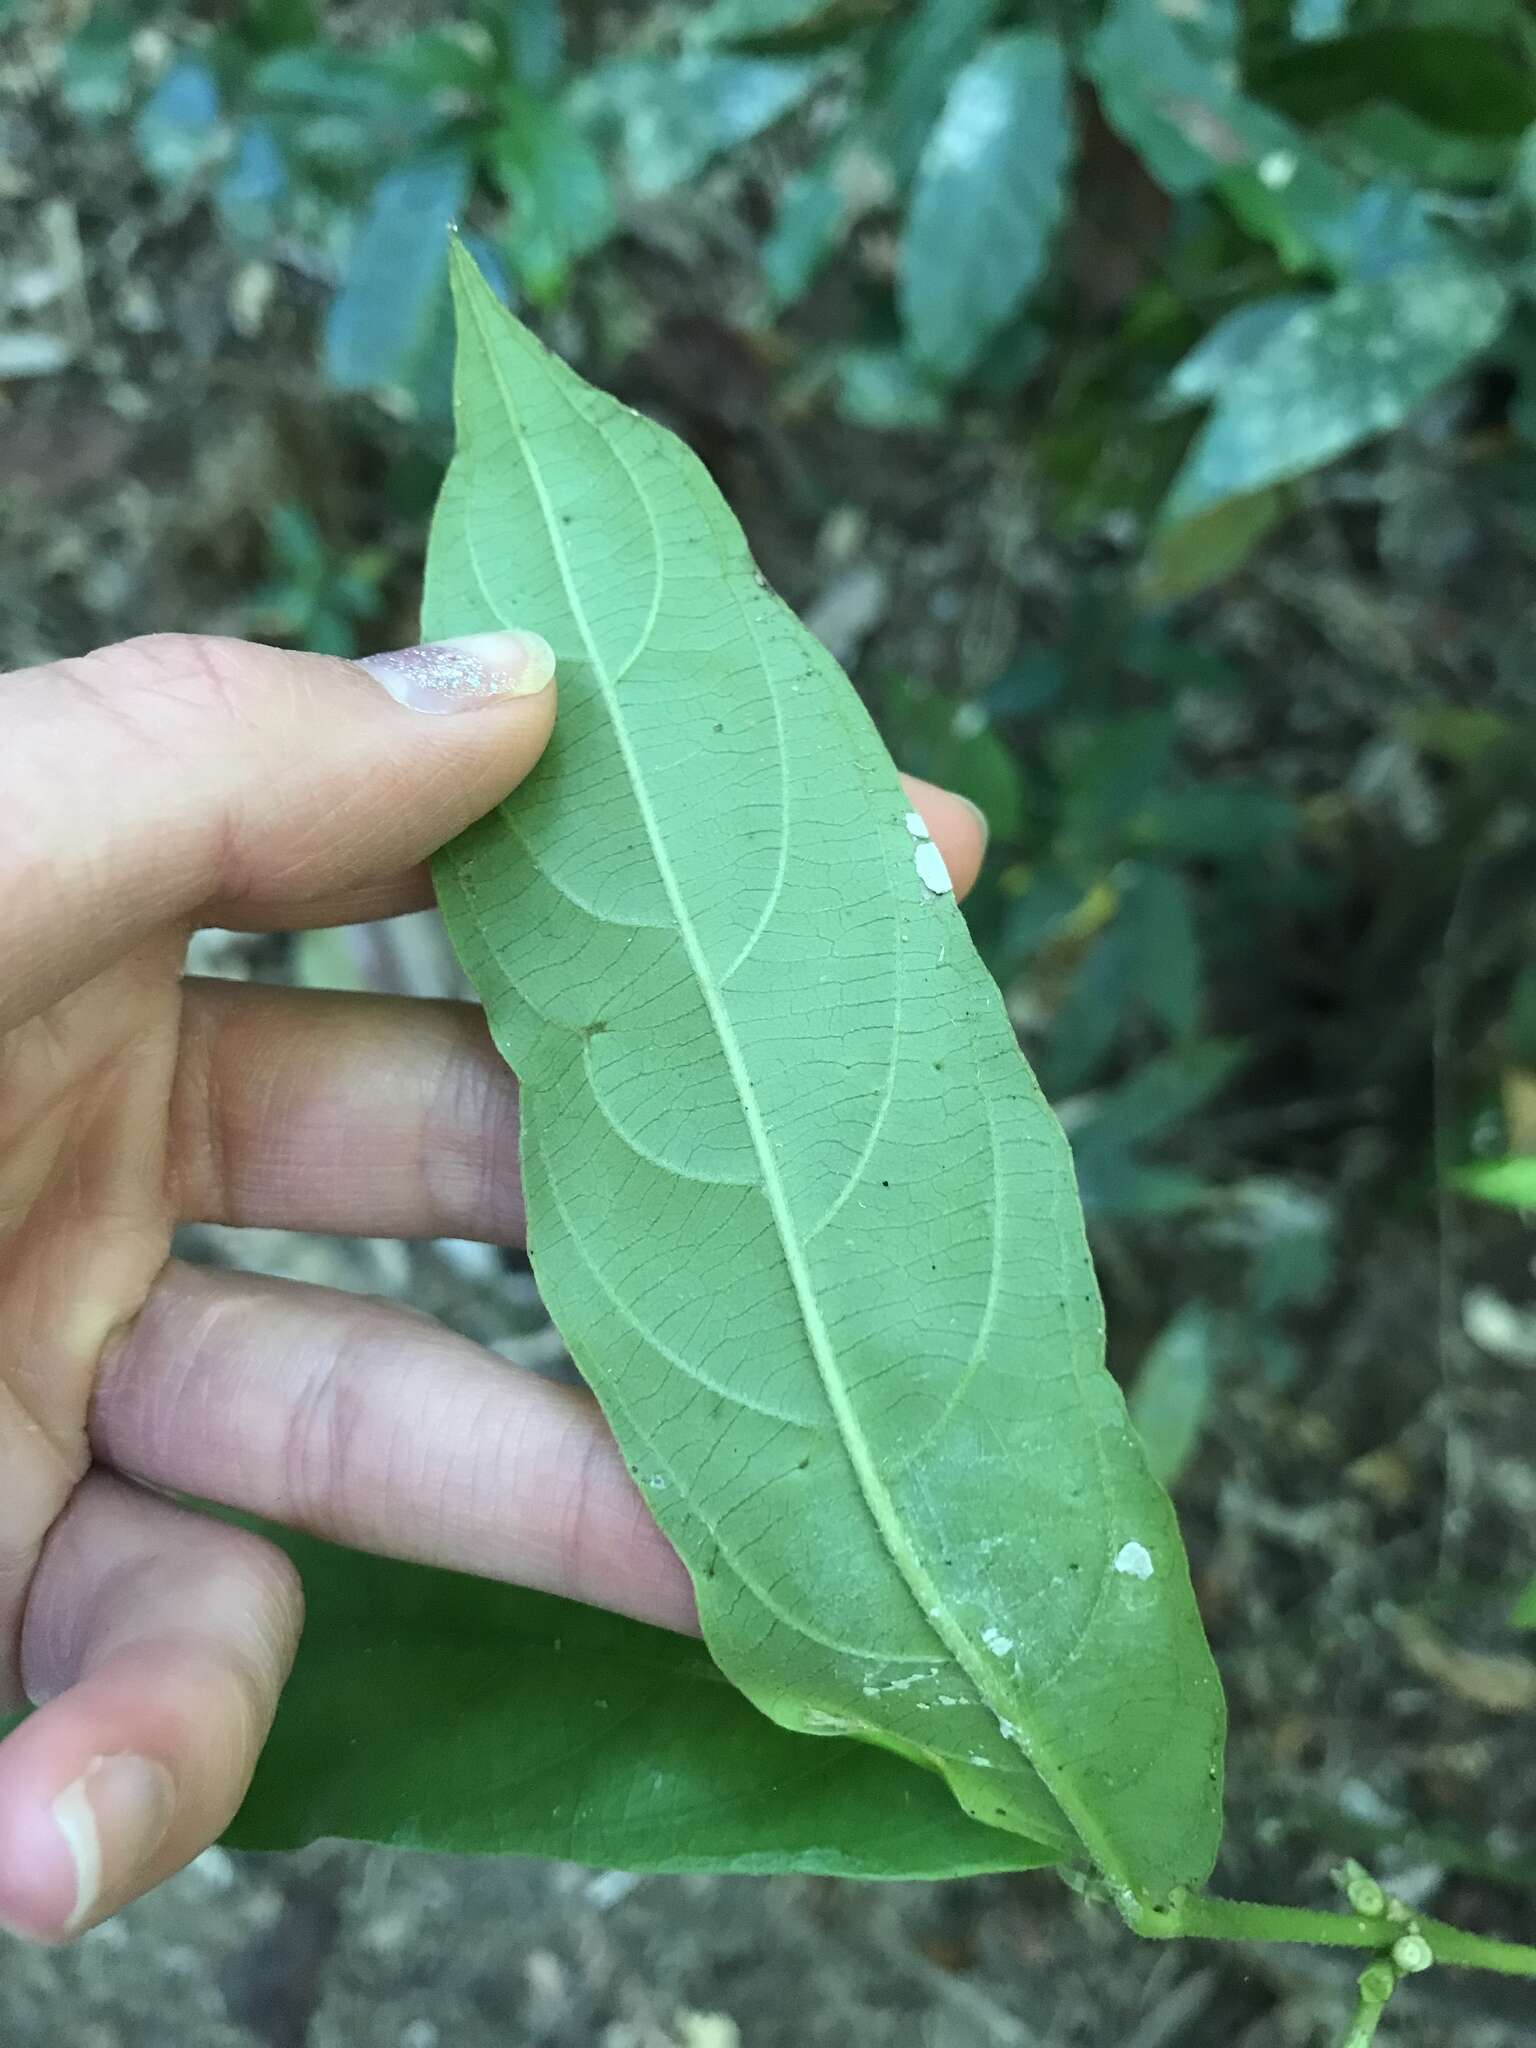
x: 145, y: 790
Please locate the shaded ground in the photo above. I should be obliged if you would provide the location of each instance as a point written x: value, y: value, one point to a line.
x: 1355, y: 1531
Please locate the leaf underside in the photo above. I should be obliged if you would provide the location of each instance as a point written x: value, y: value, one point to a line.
x: 794, y: 1199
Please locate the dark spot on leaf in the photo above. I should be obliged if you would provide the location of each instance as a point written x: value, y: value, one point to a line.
x: 719, y: 727
x: 592, y: 1030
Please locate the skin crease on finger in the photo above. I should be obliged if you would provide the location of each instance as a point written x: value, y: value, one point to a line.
x: 121, y: 1114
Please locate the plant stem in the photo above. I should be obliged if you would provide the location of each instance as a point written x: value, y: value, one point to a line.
x: 1376, y: 1986
x: 1194, y: 1916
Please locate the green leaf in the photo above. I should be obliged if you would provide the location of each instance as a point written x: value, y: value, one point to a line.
x: 872, y: 161
x: 1196, y: 131
x: 382, y: 323
x: 1382, y: 140
x: 1335, y: 375
x: 669, y: 116
x: 1183, y: 115
x: 178, y: 132
x: 794, y: 1199
x: 775, y: 23
x: 1313, y: 19
x: 1165, y: 1091
x: 881, y: 387
x: 1171, y: 1394
x: 96, y: 68
x: 533, y: 36
x: 1217, y: 821
x: 814, y: 214
x: 278, y: 24
x: 1191, y: 554
x: 1510, y: 1182
x: 343, y: 113
x: 989, y: 193
x: 432, y: 1711
x: 1162, y: 918
x: 1452, y: 78
x: 557, y: 189
x: 1523, y: 1613
x: 911, y: 71
x: 1108, y: 772
x: 1230, y: 344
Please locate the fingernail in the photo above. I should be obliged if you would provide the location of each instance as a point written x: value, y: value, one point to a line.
x: 112, y: 1818
x: 456, y: 675
x: 981, y: 818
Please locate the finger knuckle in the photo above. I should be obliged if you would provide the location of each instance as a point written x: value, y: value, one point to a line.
x: 191, y: 672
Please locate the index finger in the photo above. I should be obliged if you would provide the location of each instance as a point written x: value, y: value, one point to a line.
x: 141, y: 783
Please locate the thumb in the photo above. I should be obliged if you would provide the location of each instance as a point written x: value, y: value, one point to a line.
x: 147, y: 783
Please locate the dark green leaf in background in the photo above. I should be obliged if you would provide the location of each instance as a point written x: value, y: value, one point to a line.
x: 432, y: 1711
x: 385, y: 319
x: 534, y: 39
x: 276, y: 24
x: 1451, y: 78
x: 794, y: 1199
x: 1163, y: 1092
x: 556, y: 187
x: 882, y: 387
x: 335, y: 108
x: 1108, y: 772
x: 773, y: 23
x: 988, y: 197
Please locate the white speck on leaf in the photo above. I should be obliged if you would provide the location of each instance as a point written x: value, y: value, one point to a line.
x: 983, y: 1763
x: 931, y: 869
x: 916, y: 826
x: 1277, y: 170
x: 1134, y: 1561
x: 998, y: 1643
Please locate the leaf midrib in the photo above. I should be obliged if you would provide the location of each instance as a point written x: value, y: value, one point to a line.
x: 1037, y: 1754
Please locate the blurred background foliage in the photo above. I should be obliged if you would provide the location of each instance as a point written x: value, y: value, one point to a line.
x: 1140, y: 398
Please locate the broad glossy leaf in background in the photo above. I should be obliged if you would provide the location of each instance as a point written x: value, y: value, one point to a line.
x: 432, y: 1711
x: 669, y: 116
x: 1335, y: 374
x: 990, y: 189
x: 794, y: 1198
